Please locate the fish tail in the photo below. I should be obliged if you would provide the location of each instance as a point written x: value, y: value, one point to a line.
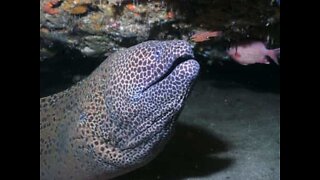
x: 274, y: 54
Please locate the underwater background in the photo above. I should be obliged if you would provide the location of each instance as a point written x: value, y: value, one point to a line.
x: 230, y: 125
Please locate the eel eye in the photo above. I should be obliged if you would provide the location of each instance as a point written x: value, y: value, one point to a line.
x: 157, y: 54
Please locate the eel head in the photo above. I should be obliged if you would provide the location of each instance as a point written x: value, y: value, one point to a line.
x: 145, y: 87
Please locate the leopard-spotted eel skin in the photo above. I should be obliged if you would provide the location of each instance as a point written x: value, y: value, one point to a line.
x: 119, y: 117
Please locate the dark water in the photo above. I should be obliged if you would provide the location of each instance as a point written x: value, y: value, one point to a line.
x: 70, y: 66
x: 64, y: 70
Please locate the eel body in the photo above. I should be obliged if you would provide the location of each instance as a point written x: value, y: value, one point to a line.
x: 119, y: 117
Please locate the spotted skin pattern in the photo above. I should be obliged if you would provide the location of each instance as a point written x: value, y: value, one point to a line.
x: 118, y: 118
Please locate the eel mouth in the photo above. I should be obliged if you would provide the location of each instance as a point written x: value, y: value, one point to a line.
x: 145, y: 134
x: 182, y: 59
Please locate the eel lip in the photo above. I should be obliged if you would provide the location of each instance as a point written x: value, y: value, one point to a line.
x: 175, y: 63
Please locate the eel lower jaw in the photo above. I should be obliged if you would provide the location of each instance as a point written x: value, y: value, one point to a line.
x: 146, y: 135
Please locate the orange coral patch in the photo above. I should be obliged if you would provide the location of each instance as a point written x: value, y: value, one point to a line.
x: 131, y: 7
x: 49, y: 7
x: 170, y: 15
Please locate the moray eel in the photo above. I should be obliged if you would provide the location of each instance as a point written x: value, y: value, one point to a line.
x: 120, y: 116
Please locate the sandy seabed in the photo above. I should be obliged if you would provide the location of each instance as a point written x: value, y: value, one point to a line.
x: 225, y: 131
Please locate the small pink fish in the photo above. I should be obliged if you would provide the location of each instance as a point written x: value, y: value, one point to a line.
x: 254, y: 52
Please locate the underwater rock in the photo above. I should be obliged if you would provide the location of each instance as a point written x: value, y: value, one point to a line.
x: 109, y: 22
x: 106, y: 26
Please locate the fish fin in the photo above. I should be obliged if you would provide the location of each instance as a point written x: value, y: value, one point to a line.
x: 274, y: 54
x: 237, y: 55
x: 264, y: 60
